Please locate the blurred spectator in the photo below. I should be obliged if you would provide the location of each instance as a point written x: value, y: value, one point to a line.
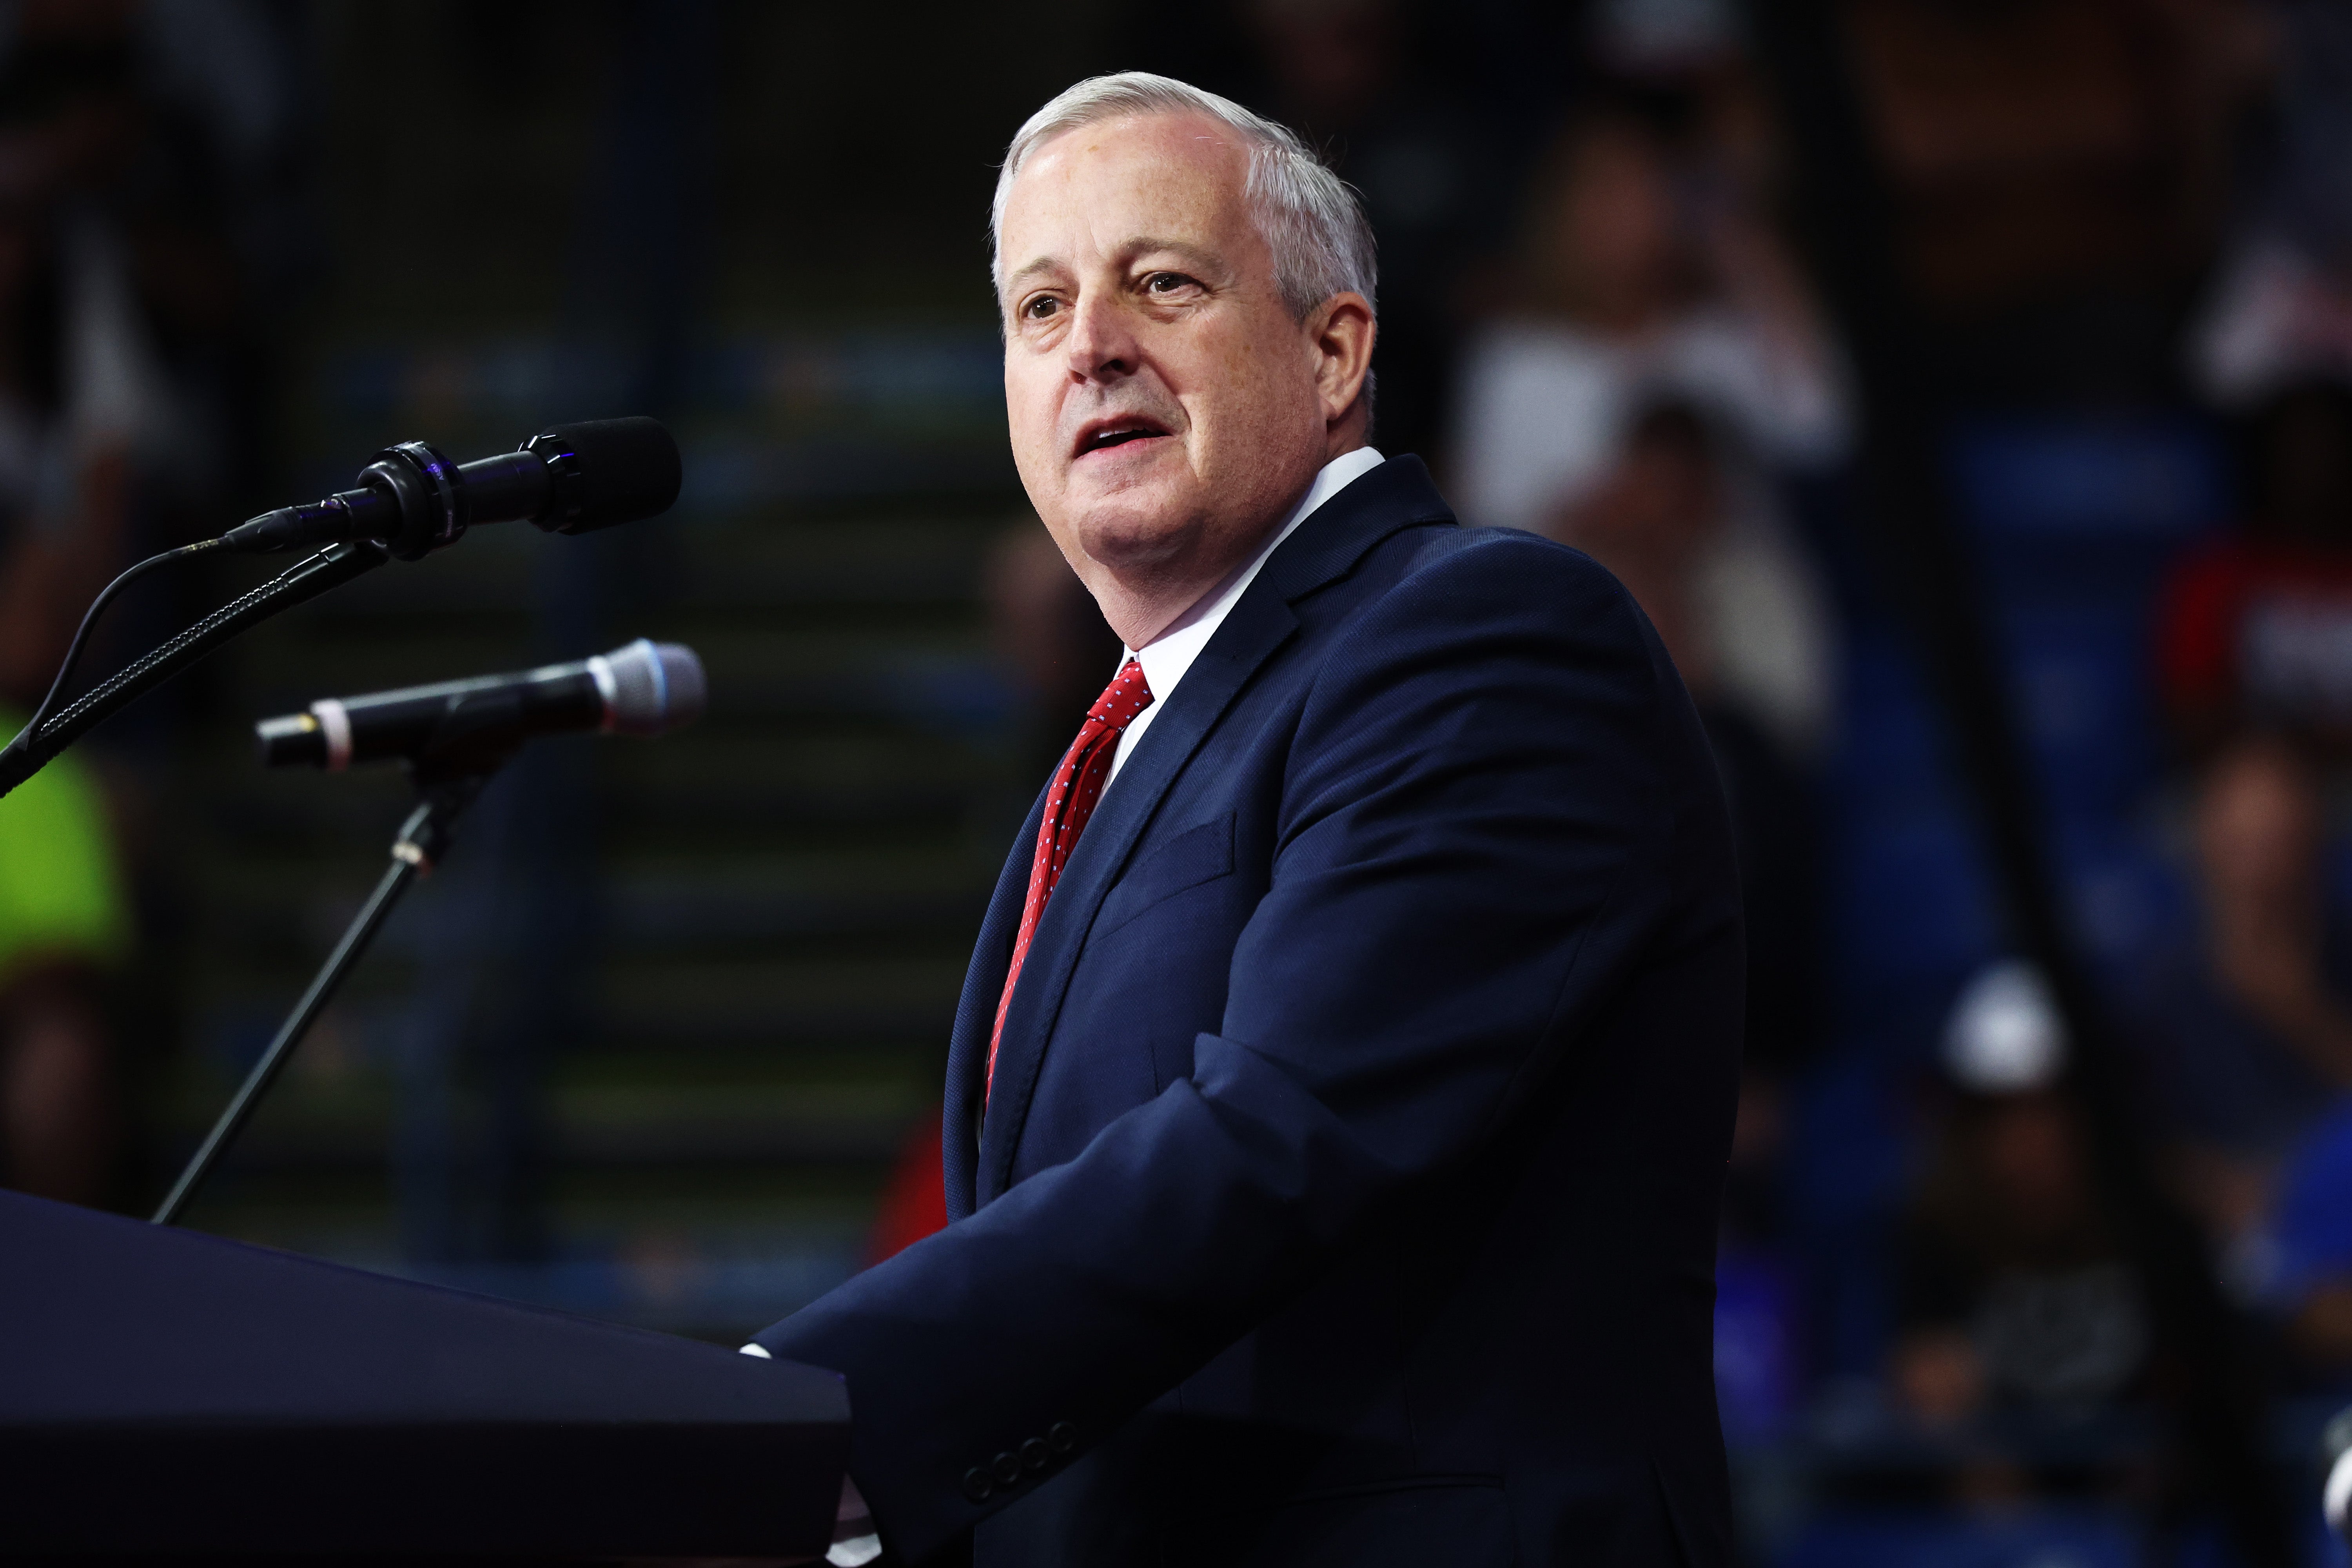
x: 1665, y: 38
x: 69, y: 390
x: 82, y: 402
x: 63, y: 925
x: 2310, y: 1251
x: 2256, y: 627
x: 2059, y: 171
x: 2250, y: 1032
x: 77, y: 387
x: 2279, y: 311
x: 1643, y: 284
x: 143, y: 178
x: 143, y: 163
x: 2012, y: 1290
x: 1348, y: 74
x: 1640, y: 277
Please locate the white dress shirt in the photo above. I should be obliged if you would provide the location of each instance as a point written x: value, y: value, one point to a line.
x: 1168, y: 656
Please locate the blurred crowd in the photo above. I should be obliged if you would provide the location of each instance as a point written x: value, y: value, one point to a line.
x: 144, y: 221
x: 1596, y: 324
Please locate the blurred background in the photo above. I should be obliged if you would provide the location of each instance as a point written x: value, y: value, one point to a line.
x: 1963, y: 386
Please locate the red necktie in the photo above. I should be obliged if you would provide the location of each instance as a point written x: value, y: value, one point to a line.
x: 1077, y: 788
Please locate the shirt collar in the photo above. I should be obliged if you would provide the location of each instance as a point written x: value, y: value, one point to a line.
x: 1168, y: 656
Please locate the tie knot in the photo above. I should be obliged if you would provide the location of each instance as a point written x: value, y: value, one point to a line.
x: 1127, y: 695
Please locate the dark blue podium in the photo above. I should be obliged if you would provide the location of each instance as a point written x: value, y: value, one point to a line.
x: 164, y: 1394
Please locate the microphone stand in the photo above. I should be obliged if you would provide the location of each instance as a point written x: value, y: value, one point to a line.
x: 468, y: 745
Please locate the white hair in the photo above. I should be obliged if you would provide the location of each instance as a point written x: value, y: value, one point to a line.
x: 1310, y: 217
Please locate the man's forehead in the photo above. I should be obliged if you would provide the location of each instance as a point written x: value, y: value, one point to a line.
x: 1158, y: 159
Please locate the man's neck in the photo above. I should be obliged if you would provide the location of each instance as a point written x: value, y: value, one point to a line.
x: 1143, y: 617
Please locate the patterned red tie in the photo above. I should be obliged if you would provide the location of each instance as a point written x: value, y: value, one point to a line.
x: 1077, y: 788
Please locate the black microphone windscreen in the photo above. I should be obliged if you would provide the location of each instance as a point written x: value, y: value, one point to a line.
x: 629, y: 470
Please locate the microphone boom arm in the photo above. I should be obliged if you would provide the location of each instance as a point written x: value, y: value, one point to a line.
x: 30, y: 751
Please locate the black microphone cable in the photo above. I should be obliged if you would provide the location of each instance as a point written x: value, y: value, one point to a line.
x: 49, y: 707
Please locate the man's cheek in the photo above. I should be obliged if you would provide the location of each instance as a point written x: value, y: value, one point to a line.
x: 1032, y: 430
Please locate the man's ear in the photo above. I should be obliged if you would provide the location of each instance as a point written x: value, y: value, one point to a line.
x: 1342, y: 331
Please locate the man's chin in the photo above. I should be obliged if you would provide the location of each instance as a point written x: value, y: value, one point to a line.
x: 1138, y: 526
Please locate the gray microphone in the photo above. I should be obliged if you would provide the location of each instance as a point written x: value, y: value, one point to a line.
x: 646, y: 688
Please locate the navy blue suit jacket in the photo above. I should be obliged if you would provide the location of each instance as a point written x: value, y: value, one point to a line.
x: 1348, y: 1192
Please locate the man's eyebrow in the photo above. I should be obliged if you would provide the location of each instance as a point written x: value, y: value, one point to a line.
x: 1043, y: 264
x: 1192, y: 254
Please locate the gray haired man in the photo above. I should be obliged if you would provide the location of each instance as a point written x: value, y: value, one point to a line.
x: 1342, y: 1087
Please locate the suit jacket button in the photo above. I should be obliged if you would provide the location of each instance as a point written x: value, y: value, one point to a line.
x: 1035, y: 1455
x: 1007, y: 1468
x: 1064, y: 1436
x: 977, y: 1486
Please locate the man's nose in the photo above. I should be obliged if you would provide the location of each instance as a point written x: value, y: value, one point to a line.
x: 1101, y: 345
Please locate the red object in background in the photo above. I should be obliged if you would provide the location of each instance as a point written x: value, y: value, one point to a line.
x: 914, y: 1203
x: 2264, y: 627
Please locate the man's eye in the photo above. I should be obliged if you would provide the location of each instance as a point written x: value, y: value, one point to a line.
x: 1167, y: 282
x: 1043, y: 306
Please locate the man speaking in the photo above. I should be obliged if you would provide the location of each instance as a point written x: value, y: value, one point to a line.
x: 1340, y: 1095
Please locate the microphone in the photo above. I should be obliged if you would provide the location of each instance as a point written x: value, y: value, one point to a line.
x: 646, y: 690
x: 568, y: 478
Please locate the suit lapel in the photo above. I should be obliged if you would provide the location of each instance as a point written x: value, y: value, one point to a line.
x: 1394, y: 496
x: 1252, y: 630
x: 983, y: 983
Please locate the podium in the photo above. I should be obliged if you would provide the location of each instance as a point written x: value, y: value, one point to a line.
x: 164, y: 1394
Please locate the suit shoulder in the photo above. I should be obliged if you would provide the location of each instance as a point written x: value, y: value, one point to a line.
x: 1451, y: 602
x: 1502, y: 574
x: 1506, y: 555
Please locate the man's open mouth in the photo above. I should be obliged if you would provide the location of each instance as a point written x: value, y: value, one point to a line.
x: 1118, y: 434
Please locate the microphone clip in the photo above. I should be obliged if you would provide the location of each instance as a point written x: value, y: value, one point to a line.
x: 428, y: 495
x: 477, y: 734
x: 431, y: 829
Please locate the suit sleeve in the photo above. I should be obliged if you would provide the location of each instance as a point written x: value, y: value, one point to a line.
x: 1473, y: 799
